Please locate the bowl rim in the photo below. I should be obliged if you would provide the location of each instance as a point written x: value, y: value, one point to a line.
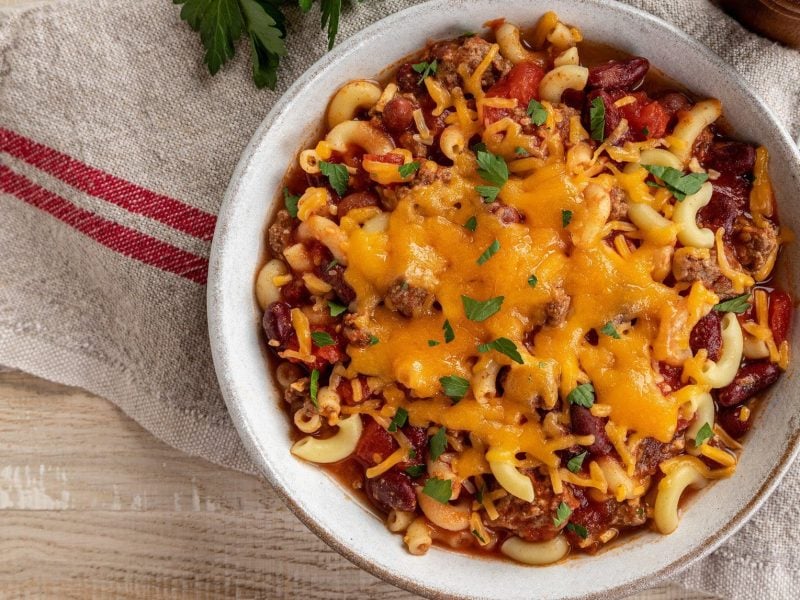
x: 215, y: 317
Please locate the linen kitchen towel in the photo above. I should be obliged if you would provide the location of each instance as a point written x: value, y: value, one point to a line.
x: 115, y: 150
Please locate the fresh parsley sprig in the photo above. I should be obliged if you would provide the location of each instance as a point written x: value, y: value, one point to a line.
x: 221, y: 23
x: 676, y: 182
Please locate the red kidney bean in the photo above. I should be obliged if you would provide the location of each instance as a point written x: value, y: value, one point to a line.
x: 277, y: 324
x: 730, y: 420
x: 750, y: 380
x: 734, y: 158
x: 375, y: 443
x: 675, y: 102
x: 729, y: 200
x: 295, y: 293
x: 780, y: 315
x: 708, y: 334
x: 398, y: 115
x: 585, y: 423
x: 334, y: 277
x: 573, y: 98
x: 407, y: 78
x: 614, y: 75
x: 356, y: 200
x: 672, y: 378
x: 392, y: 490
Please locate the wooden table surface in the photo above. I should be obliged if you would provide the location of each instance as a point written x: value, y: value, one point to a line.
x: 91, y: 505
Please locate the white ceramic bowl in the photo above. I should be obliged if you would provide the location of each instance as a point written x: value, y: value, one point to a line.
x: 319, y: 501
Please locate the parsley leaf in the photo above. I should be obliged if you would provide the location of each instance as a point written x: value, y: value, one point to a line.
x: 503, y: 346
x: 489, y: 252
x: 703, y: 435
x: 492, y: 168
x: 520, y: 151
x: 533, y: 280
x: 399, y: 419
x: 336, y: 308
x: 408, y: 170
x: 373, y: 340
x: 566, y: 217
x: 676, y: 182
x: 433, y: 343
x: 471, y: 224
x: 597, y: 119
x: 290, y: 202
x: 583, y: 395
x: 578, y: 530
x: 449, y: 334
x: 425, y: 70
x: 337, y: 176
x: 562, y: 514
x: 575, y: 463
x: 477, y: 310
x: 611, y: 331
x: 438, y: 489
x: 330, y: 11
x: 537, y: 112
x: 265, y: 27
x: 313, y: 386
x: 437, y: 443
x: 477, y: 534
x: 737, y: 305
x: 415, y: 470
x: 454, y: 387
x: 322, y: 339
x: 488, y: 192
x: 331, y: 264
x: 478, y: 147
x: 645, y: 132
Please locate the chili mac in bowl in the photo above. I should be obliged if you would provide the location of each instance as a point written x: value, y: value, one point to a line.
x: 522, y: 292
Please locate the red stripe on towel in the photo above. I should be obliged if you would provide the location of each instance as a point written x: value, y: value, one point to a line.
x: 124, y: 240
x: 110, y: 188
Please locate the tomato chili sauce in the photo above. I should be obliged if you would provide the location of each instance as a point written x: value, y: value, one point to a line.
x: 601, y: 486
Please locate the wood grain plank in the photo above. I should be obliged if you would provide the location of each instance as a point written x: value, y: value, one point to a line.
x: 92, y: 506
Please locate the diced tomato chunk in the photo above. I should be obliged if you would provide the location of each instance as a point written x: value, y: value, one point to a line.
x: 392, y: 158
x: 780, y: 315
x: 646, y: 118
x: 375, y: 444
x: 521, y: 83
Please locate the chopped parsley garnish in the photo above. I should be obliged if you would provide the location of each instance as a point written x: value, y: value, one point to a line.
x: 487, y: 192
x: 737, y: 305
x: 489, y: 252
x: 477, y: 310
x: 609, y: 330
x: 562, y: 514
x: 477, y: 534
x: 290, y: 202
x: 425, y: 69
x: 449, y: 334
x: 578, y: 530
x: 438, y: 443
x: 597, y: 119
x: 337, y: 176
x: 533, y: 280
x: 575, y: 463
x: 336, y: 308
x: 503, y: 346
x: 705, y: 433
x: 332, y: 264
x: 492, y: 168
x: 645, y: 132
x: 415, y: 470
x: 479, y: 493
x: 373, y: 339
x: 438, y: 489
x: 433, y: 343
x: 399, y: 419
x: 454, y: 387
x: 537, y: 112
x: 313, y: 386
x: 583, y: 395
x: 676, y: 182
x: 408, y: 170
x: 322, y: 339
x: 566, y: 217
x: 412, y: 453
x: 471, y: 224
x: 520, y: 151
